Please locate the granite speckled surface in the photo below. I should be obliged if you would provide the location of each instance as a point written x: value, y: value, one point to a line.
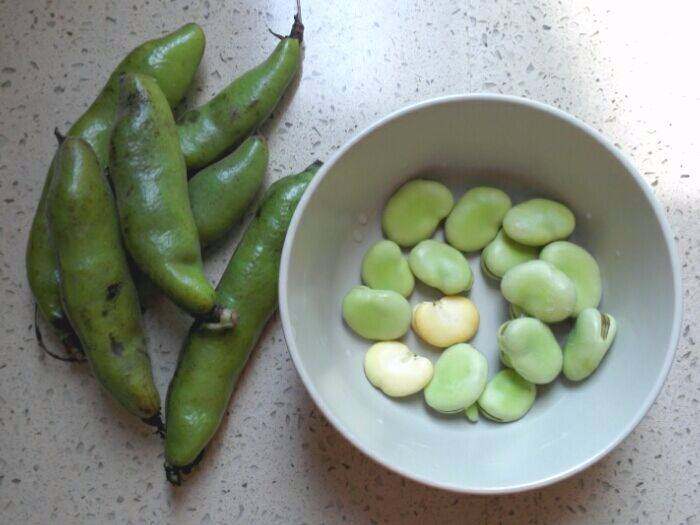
x: 68, y: 455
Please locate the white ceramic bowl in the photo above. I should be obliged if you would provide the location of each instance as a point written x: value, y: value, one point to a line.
x: 527, y: 149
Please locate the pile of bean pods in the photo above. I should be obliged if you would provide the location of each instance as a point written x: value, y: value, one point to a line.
x: 131, y: 198
x: 545, y: 279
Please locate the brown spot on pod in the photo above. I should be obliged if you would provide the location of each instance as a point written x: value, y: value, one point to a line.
x: 116, y: 346
x: 113, y: 290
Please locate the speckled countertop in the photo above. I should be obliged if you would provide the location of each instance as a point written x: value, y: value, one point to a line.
x: 68, y: 455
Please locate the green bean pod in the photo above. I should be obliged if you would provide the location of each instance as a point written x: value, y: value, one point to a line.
x: 150, y: 184
x: 221, y: 193
x: 97, y: 290
x: 212, y: 361
x: 209, y: 131
x: 172, y: 60
x: 219, y: 197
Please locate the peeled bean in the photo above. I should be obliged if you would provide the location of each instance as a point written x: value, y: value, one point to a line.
x: 376, y: 314
x: 507, y: 397
x: 531, y: 349
x: 385, y: 268
x: 415, y: 210
x: 472, y: 413
x: 541, y: 290
x: 448, y: 321
x: 538, y: 222
x: 476, y: 218
x: 458, y: 379
x: 503, y: 253
x: 581, y: 268
x: 588, y: 343
x: 395, y: 370
x: 441, y: 266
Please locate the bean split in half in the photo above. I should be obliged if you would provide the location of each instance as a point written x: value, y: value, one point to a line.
x: 395, y: 370
x: 445, y: 322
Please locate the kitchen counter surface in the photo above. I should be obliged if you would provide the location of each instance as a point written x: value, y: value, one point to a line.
x: 68, y: 455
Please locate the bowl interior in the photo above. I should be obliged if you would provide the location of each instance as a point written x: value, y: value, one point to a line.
x: 527, y: 150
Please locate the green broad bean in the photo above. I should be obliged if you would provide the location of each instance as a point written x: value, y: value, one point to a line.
x: 530, y: 349
x: 376, y: 314
x: 507, y: 397
x: 587, y: 344
x: 581, y: 268
x: 211, y: 361
x: 476, y: 218
x: 98, y: 293
x: 503, y: 253
x: 459, y: 378
x: 172, y: 60
x: 150, y: 185
x: 208, y: 132
x: 384, y: 267
x: 413, y: 213
x: 221, y: 193
x: 441, y: 266
x: 395, y: 370
x: 472, y: 412
x: 538, y: 222
x: 541, y: 290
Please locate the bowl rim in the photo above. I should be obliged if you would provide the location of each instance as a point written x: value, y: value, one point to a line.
x: 631, y: 170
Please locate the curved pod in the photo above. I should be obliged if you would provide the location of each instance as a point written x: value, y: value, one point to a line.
x: 150, y: 185
x: 96, y: 287
x: 212, y: 360
x: 221, y: 193
x: 206, y: 133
